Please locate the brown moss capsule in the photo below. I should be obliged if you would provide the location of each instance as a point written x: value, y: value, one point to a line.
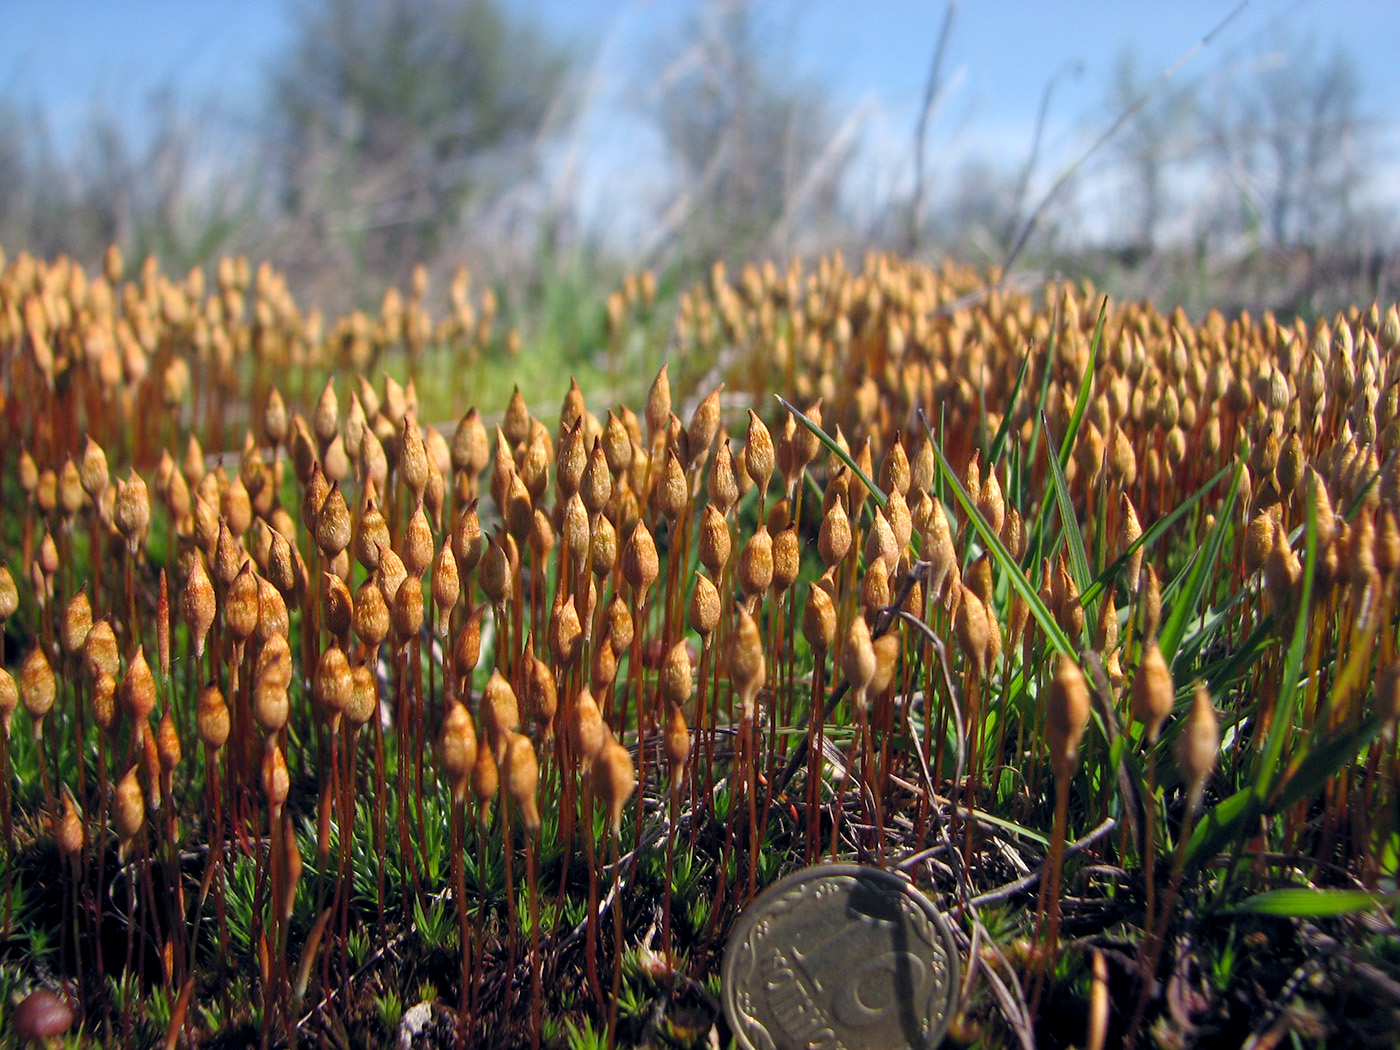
x: 276, y: 780
x: 714, y: 541
x: 704, y: 425
x: 466, y: 648
x: 9, y: 594
x: 880, y: 542
x: 972, y: 627
x: 1106, y: 631
x: 571, y: 460
x: 886, y: 661
x: 576, y: 531
x: 495, y: 574
x: 137, y: 692
x: 990, y: 502
x: 723, y: 484
x: 93, y: 472
x: 759, y: 453
x: 616, y: 780
x: 1282, y: 572
x: 457, y: 747
x: 414, y: 465
x: 103, y: 700
x: 370, y: 615
x: 674, y: 682
x: 71, y: 496
x: 242, y: 606
x: 875, y: 588
x: 586, y: 729
x: 131, y: 513
x: 167, y: 747
x: 1066, y: 715
x: 602, y: 672
x: 938, y: 549
x: 486, y: 777
x: 38, y: 687
x: 9, y: 700
x: 276, y: 425
x: 541, y: 695
x: 471, y: 445
x: 466, y: 539
x: 604, y: 547
x: 534, y: 465
x: 447, y: 586
x: 235, y: 507
x: 618, y: 624
x: 671, y: 492
x: 596, y: 486
x: 677, y: 745
x: 76, y: 622
x: 68, y: 828
x: 303, y: 451
x: 1258, y: 541
x: 755, y: 569
x: 565, y: 633
x: 522, y: 773
x: 325, y: 420
x: 128, y: 807
x: 416, y: 550
x: 364, y: 696
x: 1122, y: 461
x: 500, y: 712
x: 640, y: 564
x: 615, y: 447
x: 858, y: 662
x: 332, y: 684
x: 782, y: 451
x: 819, y: 619
x: 1129, y: 530
x: 406, y: 610
x: 703, y: 611
x: 787, y: 559
x: 834, y: 537
x: 317, y: 489
x: 273, y: 665
x: 805, y: 443
x: 1149, y: 602
x: 747, y: 667
x: 212, y: 717
x: 658, y: 404
x: 333, y: 523
x: 894, y: 469
x: 1153, y: 693
x: 1198, y: 746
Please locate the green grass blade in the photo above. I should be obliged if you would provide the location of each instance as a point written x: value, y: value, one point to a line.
x: 1151, y: 536
x: 1223, y: 823
x: 1324, y: 760
x: 1036, y: 530
x: 831, y: 445
x: 1007, y: 564
x: 1271, y: 758
x: 1202, y: 576
x: 1086, y: 385
x: 1304, y: 902
x: 1045, y: 379
x: 999, y: 440
x: 1074, y: 538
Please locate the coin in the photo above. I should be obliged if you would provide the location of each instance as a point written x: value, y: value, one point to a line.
x: 840, y: 955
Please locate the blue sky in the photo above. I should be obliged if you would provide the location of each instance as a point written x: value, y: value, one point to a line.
x: 71, y: 57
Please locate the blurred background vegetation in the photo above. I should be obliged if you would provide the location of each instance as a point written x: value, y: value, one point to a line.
x: 396, y: 132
